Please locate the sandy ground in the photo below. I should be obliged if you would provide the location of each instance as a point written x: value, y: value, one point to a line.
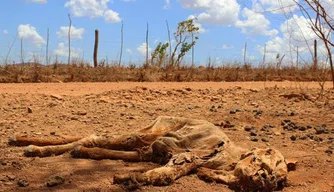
x: 80, y: 109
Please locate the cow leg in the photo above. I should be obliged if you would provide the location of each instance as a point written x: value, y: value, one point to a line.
x: 178, y: 166
x: 124, y: 143
x: 143, y: 154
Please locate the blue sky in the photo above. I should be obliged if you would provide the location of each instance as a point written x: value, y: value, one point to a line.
x: 226, y: 25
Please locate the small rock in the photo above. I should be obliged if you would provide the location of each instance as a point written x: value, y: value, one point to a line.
x: 253, y: 133
x: 52, y: 133
x: 247, y: 128
x: 190, y: 107
x: 54, y: 181
x: 264, y: 139
x: 11, y: 177
x: 29, y: 109
x: 22, y: 183
x: 4, y: 163
x: 254, y: 139
x: 293, y: 137
x: 233, y: 112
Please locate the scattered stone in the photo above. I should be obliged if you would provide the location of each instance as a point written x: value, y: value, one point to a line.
x: 188, y: 89
x: 190, y: 107
x: 253, y: 133
x: 264, y: 139
x: 52, y: 133
x: 321, y: 129
x: 304, y: 137
x: 254, y: 139
x: 4, y: 163
x: 22, y: 183
x: 226, y: 124
x: 11, y: 177
x: 292, y: 114
x: 293, y: 137
x: 54, y: 181
x: 58, y: 97
x: 233, y: 112
x: 315, y: 138
x: 247, y: 128
x: 302, y: 128
x: 329, y: 151
x: 29, y: 109
x: 254, y: 90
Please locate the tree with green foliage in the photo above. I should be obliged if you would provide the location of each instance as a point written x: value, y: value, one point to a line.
x: 184, y: 31
x: 159, y: 54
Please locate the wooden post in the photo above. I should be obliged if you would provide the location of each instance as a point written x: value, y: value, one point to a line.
x: 69, y: 40
x: 22, y: 59
x: 170, y: 43
x: 245, y: 50
x: 264, y: 55
x: 315, y: 64
x: 192, y: 50
x: 297, y: 64
x: 121, y: 53
x: 96, y: 46
x: 47, y: 48
x: 146, y: 64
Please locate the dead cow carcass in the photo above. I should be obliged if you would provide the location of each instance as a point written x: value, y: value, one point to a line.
x: 182, y: 146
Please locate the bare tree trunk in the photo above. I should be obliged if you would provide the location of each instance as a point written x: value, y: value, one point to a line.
x: 10, y: 49
x: 96, y: 46
x: 22, y: 59
x: 264, y: 55
x: 146, y: 64
x: 47, y: 48
x: 315, y: 62
x: 121, y: 53
x: 170, y: 43
x: 192, y: 50
x: 69, y: 40
x: 245, y: 51
x: 297, y: 64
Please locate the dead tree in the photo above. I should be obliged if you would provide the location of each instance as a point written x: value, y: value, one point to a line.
x: 96, y: 46
x: 322, y: 25
x: 69, y: 40
x: 47, y: 48
x: 121, y: 53
x: 183, y: 146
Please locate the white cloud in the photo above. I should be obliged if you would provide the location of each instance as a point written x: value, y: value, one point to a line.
x: 63, y: 51
x: 76, y: 33
x: 93, y: 9
x: 167, y: 4
x: 111, y: 16
x: 296, y: 32
x: 217, y: 12
x: 5, y: 32
x: 255, y: 24
x: 29, y: 32
x: 129, y: 51
x: 36, y: 1
x: 276, y: 6
x: 142, y: 49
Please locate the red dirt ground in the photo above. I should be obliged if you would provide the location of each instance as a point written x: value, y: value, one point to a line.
x: 80, y: 109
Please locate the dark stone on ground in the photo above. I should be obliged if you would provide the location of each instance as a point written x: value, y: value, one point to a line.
x: 22, y: 183
x: 253, y: 133
x: 264, y: 139
x: 254, y: 139
x: 54, y: 181
x: 293, y: 137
